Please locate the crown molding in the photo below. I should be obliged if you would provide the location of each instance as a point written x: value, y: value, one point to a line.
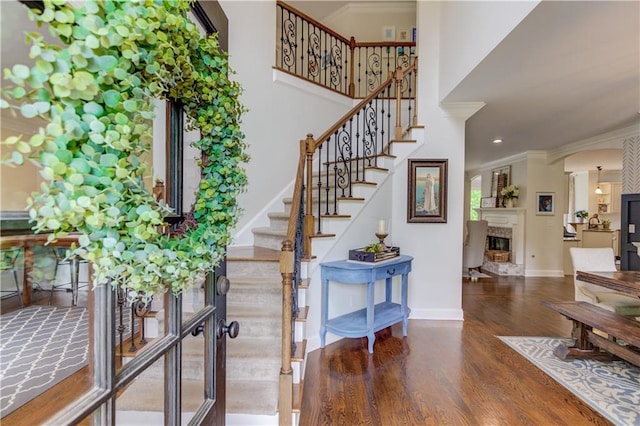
x: 612, y: 139
x: 461, y: 109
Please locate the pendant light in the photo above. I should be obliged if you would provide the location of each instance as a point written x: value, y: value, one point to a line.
x: 598, y: 190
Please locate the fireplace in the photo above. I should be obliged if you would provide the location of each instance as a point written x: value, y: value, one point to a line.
x: 505, y: 235
x: 498, y: 243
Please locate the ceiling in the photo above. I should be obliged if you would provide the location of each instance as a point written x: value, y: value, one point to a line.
x: 570, y: 71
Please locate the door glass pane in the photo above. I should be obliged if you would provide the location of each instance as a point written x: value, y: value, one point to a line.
x: 137, y: 326
x: 142, y: 402
x: 193, y: 300
x: 193, y: 373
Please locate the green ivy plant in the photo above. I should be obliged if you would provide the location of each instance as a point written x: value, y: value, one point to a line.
x: 95, y: 91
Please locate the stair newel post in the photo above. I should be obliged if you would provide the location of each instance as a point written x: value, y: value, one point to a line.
x: 309, y: 146
x: 352, y: 84
x: 414, y: 121
x: 285, y: 401
x: 398, y: 75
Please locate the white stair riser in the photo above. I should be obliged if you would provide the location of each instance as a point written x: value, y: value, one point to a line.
x: 300, y: 330
x: 302, y: 298
x: 267, y: 240
x: 279, y: 222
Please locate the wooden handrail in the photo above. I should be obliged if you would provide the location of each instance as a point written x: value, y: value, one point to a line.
x: 358, y: 107
x: 313, y: 21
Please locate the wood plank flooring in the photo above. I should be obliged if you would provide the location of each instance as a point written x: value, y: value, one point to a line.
x: 449, y: 372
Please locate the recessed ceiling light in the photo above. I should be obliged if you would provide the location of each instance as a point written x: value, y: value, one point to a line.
x: 497, y: 141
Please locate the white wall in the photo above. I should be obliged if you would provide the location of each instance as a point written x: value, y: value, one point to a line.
x: 279, y: 116
x: 400, y: 15
x: 544, y: 234
x: 435, y: 283
x: 472, y: 29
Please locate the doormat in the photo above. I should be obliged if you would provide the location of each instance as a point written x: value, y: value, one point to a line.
x: 39, y: 347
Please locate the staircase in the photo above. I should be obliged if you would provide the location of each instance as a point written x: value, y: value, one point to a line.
x: 255, y: 299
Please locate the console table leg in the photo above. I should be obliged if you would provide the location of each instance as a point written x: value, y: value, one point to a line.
x: 403, y: 304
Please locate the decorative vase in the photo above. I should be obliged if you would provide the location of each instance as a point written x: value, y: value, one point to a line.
x: 510, y: 203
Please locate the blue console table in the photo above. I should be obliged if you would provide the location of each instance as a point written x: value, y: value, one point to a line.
x: 367, y: 321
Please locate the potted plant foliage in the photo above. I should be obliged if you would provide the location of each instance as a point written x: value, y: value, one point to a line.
x: 581, y: 215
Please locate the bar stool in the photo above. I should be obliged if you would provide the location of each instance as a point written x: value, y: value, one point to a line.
x: 60, y: 254
x: 8, y: 262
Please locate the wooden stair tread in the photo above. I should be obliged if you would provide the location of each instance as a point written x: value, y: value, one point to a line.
x: 403, y: 141
x: 335, y: 216
x: 304, y: 283
x: 253, y: 253
x: 301, y: 351
x: 350, y: 198
x: 302, y: 314
x: 322, y: 235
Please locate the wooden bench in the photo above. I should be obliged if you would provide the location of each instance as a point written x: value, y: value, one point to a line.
x: 586, y: 317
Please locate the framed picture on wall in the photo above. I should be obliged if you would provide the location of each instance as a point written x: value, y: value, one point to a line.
x: 389, y: 33
x: 500, y: 178
x: 545, y: 203
x: 404, y: 34
x: 427, y: 191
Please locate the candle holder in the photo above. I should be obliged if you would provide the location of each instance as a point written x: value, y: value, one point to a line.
x: 381, y: 237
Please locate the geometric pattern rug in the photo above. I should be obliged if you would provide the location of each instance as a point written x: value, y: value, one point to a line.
x: 39, y: 347
x: 610, y: 388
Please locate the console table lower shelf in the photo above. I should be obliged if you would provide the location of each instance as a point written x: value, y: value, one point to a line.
x: 354, y: 324
x: 366, y: 322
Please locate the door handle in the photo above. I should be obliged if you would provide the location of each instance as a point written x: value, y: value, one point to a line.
x: 222, y: 285
x: 232, y: 329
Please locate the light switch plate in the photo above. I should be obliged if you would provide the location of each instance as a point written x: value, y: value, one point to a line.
x: 632, y: 228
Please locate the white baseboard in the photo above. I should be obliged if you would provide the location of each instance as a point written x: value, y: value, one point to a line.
x: 544, y: 273
x: 233, y: 419
x: 437, y: 314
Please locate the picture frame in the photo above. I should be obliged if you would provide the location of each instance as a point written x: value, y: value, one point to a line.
x: 488, y: 202
x: 545, y: 203
x: 427, y: 190
x: 403, y: 34
x: 389, y: 33
x: 500, y: 177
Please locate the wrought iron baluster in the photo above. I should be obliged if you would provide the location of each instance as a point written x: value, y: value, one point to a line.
x: 410, y: 89
x: 357, y: 157
x: 382, y: 132
x: 319, y: 187
x: 298, y: 254
x: 133, y: 347
x: 389, y: 114
x: 120, y: 295
x: 358, y: 87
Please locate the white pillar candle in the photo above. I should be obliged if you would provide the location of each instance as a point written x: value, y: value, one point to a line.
x: 381, y: 228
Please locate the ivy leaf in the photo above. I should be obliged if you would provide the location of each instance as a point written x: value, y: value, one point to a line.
x: 111, y: 98
x: 20, y: 71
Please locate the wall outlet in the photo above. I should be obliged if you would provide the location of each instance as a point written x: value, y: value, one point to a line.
x: 632, y: 228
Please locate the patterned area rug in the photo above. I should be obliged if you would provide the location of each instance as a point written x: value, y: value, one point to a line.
x: 39, y: 347
x: 610, y: 388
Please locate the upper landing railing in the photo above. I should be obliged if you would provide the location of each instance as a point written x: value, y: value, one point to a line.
x: 308, y: 49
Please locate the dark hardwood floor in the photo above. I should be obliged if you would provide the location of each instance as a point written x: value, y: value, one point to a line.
x: 447, y: 372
